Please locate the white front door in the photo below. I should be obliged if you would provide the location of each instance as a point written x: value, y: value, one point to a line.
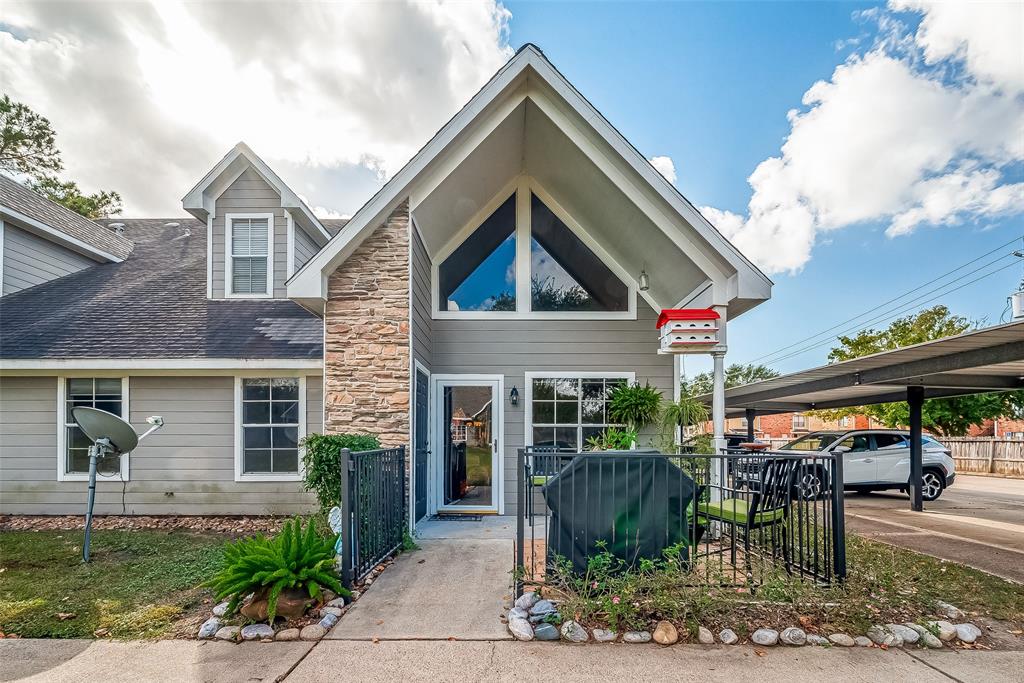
x: 466, y: 464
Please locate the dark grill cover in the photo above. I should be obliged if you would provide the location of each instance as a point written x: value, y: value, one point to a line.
x: 636, y: 503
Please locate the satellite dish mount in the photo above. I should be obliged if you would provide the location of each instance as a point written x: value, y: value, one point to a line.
x: 111, y: 436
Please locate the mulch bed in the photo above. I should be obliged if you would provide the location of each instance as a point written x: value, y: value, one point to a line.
x: 236, y: 525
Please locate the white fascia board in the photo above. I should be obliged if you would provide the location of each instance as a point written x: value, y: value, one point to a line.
x: 199, y: 200
x: 59, y: 237
x: 131, y: 364
x: 642, y: 166
x: 309, y: 282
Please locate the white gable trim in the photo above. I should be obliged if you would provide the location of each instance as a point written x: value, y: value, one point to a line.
x: 309, y: 283
x: 202, y: 198
x: 59, y: 237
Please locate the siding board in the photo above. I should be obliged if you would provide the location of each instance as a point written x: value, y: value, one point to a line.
x: 31, y: 260
x: 185, y: 468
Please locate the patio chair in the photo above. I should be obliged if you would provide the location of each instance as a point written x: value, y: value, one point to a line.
x: 767, y: 507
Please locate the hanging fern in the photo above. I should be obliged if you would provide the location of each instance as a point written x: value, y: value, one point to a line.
x: 634, y: 405
x: 295, y: 558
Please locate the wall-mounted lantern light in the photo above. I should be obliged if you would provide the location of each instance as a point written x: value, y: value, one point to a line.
x: 645, y: 281
x: 513, y: 396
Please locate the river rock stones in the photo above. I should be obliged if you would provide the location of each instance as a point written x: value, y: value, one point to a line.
x: 257, y: 632
x: 520, y: 629
x: 705, y: 636
x: 603, y: 635
x: 665, y: 633
x: 728, y: 636
x: 967, y: 633
x: 546, y: 631
x: 573, y: 632
x: 765, y: 636
x: 947, y: 631
x: 636, y: 637
x: 793, y: 636
x: 209, y: 628
x: 527, y: 600
x: 842, y: 640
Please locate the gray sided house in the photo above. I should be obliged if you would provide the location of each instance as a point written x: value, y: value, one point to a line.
x: 488, y: 297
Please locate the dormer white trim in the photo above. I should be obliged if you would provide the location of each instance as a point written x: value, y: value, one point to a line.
x: 201, y: 200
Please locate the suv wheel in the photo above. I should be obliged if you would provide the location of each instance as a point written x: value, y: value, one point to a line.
x: 809, y: 484
x: 932, y: 484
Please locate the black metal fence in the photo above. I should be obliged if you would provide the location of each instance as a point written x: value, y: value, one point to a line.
x: 732, y: 519
x: 373, y: 509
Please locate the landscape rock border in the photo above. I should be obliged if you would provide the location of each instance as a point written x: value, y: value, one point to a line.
x: 532, y: 618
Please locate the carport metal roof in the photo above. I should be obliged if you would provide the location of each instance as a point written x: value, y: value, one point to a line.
x: 990, y: 359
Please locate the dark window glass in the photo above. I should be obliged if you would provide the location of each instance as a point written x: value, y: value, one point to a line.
x: 101, y: 392
x: 270, y: 425
x: 890, y: 441
x: 565, y: 274
x: 578, y: 412
x: 480, y: 275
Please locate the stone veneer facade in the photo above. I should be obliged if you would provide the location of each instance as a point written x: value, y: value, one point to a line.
x: 366, y: 337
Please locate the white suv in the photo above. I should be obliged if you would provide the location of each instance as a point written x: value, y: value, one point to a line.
x: 876, y: 460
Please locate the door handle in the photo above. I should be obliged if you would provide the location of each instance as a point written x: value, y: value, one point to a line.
x: 868, y: 460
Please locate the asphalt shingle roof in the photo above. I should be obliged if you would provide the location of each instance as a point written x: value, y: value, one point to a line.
x: 153, y: 305
x: 23, y: 200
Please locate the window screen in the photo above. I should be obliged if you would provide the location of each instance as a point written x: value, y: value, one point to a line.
x: 250, y: 243
x: 569, y: 410
x: 565, y: 274
x: 481, y: 274
x: 103, y: 393
x: 270, y: 425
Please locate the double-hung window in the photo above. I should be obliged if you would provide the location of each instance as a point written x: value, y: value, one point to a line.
x: 566, y: 410
x: 250, y: 244
x: 105, y: 393
x: 270, y: 413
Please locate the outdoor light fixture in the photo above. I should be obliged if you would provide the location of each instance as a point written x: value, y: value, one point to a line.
x: 645, y: 281
x: 513, y: 396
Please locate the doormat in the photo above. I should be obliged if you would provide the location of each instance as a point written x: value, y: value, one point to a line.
x: 457, y: 518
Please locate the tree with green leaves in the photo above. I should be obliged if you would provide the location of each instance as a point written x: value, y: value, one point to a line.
x: 736, y: 375
x: 101, y: 204
x: 947, y: 416
x: 27, y: 141
x: 28, y: 147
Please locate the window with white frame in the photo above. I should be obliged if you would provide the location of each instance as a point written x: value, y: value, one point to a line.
x: 104, y: 393
x: 566, y: 411
x: 799, y: 421
x: 249, y: 261
x: 558, y: 271
x: 270, y: 413
x: 844, y: 421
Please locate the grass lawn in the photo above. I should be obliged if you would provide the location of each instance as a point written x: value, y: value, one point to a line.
x: 138, y: 584
x: 478, y: 465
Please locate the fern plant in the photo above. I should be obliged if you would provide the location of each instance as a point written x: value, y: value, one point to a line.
x: 295, y: 558
x: 634, y: 405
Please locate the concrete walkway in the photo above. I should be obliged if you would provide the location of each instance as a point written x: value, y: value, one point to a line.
x: 49, y: 661
x: 449, y: 588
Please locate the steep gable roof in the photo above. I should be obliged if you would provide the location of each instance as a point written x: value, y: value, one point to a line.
x: 59, y: 223
x: 201, y: 200
x: 308, y: 285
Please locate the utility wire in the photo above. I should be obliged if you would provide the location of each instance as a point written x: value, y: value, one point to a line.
x: 896, y: 298
x: 888, y: 315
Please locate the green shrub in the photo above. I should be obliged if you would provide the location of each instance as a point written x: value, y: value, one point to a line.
x: 634, y: 405
x: 323, y: 473
x: 612, y: 439
x: 292, y: 559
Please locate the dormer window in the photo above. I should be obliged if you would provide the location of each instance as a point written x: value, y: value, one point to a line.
x: 249, y: 239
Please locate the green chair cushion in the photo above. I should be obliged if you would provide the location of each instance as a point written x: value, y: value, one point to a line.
x: 735, y: 510
x: 540, y: 479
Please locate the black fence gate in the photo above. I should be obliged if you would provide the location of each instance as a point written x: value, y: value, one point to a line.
x: 373, y: 509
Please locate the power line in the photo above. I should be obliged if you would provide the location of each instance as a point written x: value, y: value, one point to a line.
x: 897, y: 298
x: 888, y: 315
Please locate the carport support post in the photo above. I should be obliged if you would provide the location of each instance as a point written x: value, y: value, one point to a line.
x: 751, y: 414
x: 718, y: 424
x: 915, y: 398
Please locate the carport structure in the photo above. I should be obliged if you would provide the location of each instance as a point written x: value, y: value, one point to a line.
x: 980, y: 361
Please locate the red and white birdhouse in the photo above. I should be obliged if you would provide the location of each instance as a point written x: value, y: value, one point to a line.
x: 688, y: 330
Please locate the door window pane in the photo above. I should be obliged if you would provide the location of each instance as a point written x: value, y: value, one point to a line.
x: 480, y: 275
x: 565, y: 274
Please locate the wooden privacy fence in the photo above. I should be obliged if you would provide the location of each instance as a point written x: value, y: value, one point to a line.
x: 987, y: 455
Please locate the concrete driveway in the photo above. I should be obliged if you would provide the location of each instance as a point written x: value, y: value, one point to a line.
x: 979, y: 521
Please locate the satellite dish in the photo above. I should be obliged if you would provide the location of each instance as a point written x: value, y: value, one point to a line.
x: 111, y: 437
x: 99, y: 424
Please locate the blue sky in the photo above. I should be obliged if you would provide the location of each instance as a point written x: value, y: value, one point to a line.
x: 709, y: 85
x: 853, y: 150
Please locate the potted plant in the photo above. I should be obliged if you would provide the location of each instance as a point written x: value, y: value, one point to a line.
x: 634, y: 406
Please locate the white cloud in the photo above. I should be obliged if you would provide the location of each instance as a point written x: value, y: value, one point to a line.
x: 893, y: 137
x: 665, y: 167
x: 146, y: 97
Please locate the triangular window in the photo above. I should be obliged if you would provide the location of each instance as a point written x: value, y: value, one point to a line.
x: 480, y: 275
x: 565, y: 275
